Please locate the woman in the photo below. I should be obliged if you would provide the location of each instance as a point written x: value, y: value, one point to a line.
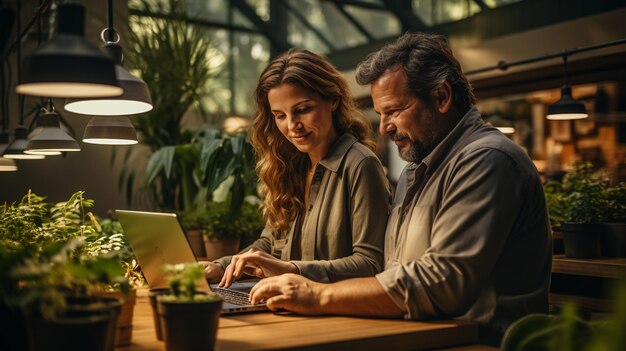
x: 326, y: 198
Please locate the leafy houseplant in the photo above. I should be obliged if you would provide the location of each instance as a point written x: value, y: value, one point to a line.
x: 188, y: 319
x: 224, y: 231
x: 176, y: 59
x: 53, y: 263
x: 578, y: 205
x: 568, y: 332
x: 219, y: 175
x: 614, y: 222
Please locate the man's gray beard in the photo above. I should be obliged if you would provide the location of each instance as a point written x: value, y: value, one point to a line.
x: 415, y: 153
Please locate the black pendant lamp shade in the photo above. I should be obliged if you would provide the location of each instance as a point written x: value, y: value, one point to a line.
x: 4, y: 141
x: 135, y: 99
x: 15, y: 150
x: 6, y: 164
x: 68, y: 65
x: 110, y: 130
x: 48, y: 137
x: 566, y: 108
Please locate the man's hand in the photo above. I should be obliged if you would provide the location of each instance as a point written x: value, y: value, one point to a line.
x: 257, y: 263
x: 291, y: 292
x: 212, y: 271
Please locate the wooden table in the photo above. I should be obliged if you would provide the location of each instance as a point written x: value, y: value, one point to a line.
x: 263, y: 331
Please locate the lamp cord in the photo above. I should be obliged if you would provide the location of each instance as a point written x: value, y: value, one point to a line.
x: 41, y: 100
x: 111, y: 33
x: 565, y: 67
x: 20, y: 98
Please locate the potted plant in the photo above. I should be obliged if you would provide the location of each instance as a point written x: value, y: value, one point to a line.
x: 193, y: 222
x: 54, y: 266
x: 51, y: 295
x: 578, y: 203
x: 219, y: 175
x: 614, y: 222
x: 225, y: 231
x: 109, y: 239
x: 188, y: 318
x: 555, y: 200
x: 180, y: 64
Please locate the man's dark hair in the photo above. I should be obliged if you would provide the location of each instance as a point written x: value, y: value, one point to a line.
x: 427, y: 61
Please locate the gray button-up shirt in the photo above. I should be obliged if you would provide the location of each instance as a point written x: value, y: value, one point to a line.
x: 468, y: 233
x: 344, y: 224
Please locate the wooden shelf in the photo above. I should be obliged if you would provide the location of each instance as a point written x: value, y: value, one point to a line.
x: 589, y: 303
x: 596, y: 267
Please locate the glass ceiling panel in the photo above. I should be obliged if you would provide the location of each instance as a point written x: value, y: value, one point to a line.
x: 300, y: 36
x: 261, y: 7
x: 251, y: 57
x: 380, y: 24
x: 434, y: 12
x: 377, y: 2
x: 214, y: 10
x: 327, y: 19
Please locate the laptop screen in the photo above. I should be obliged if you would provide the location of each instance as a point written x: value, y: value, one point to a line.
x: 157, y: 239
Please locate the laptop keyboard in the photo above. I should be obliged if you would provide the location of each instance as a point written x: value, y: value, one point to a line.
x: 233, y: 296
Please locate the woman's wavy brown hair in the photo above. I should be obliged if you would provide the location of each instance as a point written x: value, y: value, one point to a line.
x: 281, y: 167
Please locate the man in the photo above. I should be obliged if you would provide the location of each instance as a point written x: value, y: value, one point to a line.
x: 468, y: 235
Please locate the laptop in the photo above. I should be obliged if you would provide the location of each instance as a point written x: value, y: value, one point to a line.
x: 158, y: 239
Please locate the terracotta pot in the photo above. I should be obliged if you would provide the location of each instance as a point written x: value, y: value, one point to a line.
x: 216, y: 248
x: 124, y: 324
x: 581, y: 240
x: 189, y: 326
x: 194, y: 237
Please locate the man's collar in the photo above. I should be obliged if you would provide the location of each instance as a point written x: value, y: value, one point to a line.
x: 338, y: 150
x: 470, y: 118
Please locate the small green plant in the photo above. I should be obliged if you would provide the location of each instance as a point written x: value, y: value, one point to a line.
x: 585, y: 196
x: 567, y: 331
x: 52, y: 251
x: 222, y: 224
x: 183, y: 278
x: 42, y: 279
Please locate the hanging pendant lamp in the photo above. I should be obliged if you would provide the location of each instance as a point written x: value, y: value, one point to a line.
x: 503, y: 125
x: 566, y: 108
x: 16, y: 149
x: 6, y: 164
x: 48, y: 138
x: 135, y: 99
x: 68, y: 65
x: 110, y: 130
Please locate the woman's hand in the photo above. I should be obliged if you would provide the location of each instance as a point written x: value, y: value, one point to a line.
x: 257, y: 263
x: 212, y: 271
